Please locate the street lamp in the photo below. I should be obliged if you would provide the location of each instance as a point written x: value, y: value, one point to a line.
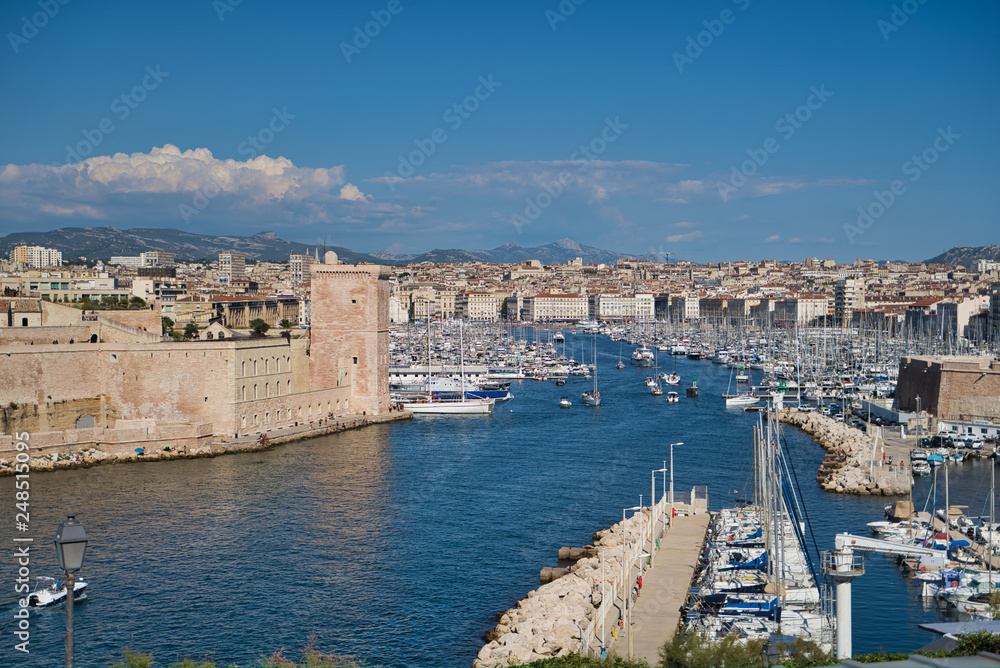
x: 663, y: 512
x: 626, y: 583
x: 672, y: 481
x: 71, y: 544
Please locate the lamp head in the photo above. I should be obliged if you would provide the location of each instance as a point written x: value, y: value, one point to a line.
x: 71, y: 543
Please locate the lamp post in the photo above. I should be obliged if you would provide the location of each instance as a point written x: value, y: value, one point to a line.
x: 626, y: 587
x: 652, y: 515
x: 672, y: 481
x: 71, y: 544
x: 918, y: 417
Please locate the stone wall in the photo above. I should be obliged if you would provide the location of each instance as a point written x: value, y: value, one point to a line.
x: 34, y: 336
x: 149, y: 319
x: 955, y: 388
x: 60, y: 415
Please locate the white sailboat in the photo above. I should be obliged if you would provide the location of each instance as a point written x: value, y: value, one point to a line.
x: 430, y: 405
x: 593, y: 398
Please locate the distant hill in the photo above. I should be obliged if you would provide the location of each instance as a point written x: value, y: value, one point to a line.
x: 96, y: 243
x: 967, y: 256
x: 558, y: 252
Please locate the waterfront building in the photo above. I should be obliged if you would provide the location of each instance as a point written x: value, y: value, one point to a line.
x: 547, y: 307
x: 952, y: 387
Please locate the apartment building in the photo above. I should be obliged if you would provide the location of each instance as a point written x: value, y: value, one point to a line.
x: 848, y: 297
x: 232, y: 266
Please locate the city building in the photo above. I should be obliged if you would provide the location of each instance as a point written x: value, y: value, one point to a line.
x: 35, y: 257
x: 232, y: 267
x: 848, y: 297
x: 298, y: 265
x: 156, y: 259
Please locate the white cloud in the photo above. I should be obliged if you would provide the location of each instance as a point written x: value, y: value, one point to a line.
x: 684, y: 224
x: 794, y: 240
x: 772, y: 238
x: 351, y: 192
x: 114, y: 186
x: 684, y: 237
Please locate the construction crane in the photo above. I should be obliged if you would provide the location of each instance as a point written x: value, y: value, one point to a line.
x: 844, y: 563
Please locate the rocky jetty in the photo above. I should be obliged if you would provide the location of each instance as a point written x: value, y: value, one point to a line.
x: 554, y: 619
x: 846, y: 469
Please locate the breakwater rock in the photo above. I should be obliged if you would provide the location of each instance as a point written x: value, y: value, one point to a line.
x: 555, y: 619
x: 847, y: 469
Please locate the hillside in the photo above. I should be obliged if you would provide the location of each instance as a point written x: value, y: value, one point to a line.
x: 967, y: 256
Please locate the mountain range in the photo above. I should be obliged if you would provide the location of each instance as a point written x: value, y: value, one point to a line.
x: 558, y: 252
x: 93, y: 243
x: 967, y: 256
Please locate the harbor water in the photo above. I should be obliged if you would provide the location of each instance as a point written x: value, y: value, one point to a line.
x: 398, y: 544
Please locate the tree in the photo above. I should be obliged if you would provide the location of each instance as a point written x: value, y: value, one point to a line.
x: 190, y: 330
x: 259, y: 327
x: 137, y: 302
x: 285, y: 323
x: 168, y: 324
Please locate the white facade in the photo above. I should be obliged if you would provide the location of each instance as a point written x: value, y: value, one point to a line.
x: 849, y: 296
x: 156, y: 259
x: 479, y: 305
x: 546, y: 306
x: 298, y: 266
x: 614, y: 306
x: 130, y: 261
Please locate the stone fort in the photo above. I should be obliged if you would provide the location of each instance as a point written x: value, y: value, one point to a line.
x: 950, y: 387
x: 72, y: 379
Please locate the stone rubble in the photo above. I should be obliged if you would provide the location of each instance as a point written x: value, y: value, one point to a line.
x: 848, y: 475
x: 553, y: 619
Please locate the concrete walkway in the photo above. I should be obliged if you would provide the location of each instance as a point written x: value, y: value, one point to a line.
x: 657, y: 611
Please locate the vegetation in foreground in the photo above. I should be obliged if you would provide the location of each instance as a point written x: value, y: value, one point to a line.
x: 310, y: 657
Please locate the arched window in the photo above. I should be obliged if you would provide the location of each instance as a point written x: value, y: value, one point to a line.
x: 244, y: 393
x: 255, y: 390
x: 267, y: 366
x: 243, y: 368
x: 255, y: 367
x: 267, y: 389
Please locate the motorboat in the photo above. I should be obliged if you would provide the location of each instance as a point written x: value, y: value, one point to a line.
x: 565, y: 403
x: 560, y: 381
x: 643, y: 356
x: 670, y: 378
x: 672, y: 398
x: 740, y: 400
x: 49, y: 591
x: 921, y: 467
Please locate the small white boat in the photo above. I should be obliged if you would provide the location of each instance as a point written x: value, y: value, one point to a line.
x: 591, y: 398
x: 672, y: 398
x: 565, y: 403
x: 620, y: 365
x: 670, y: 378
x: 741, y: 400
x: 921, y: 467
x: 49, y: 591
x: 655, y: 390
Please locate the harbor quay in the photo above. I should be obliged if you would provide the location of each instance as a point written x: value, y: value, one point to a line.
x: 855, y: 463
x: 623, y: 594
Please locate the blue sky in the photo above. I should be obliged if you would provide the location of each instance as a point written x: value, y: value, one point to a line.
x: 716, y: 130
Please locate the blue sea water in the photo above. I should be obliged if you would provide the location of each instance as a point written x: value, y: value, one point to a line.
x: 398, y: 544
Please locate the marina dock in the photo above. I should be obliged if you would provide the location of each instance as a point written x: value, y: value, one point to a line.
x: 657, y: 611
